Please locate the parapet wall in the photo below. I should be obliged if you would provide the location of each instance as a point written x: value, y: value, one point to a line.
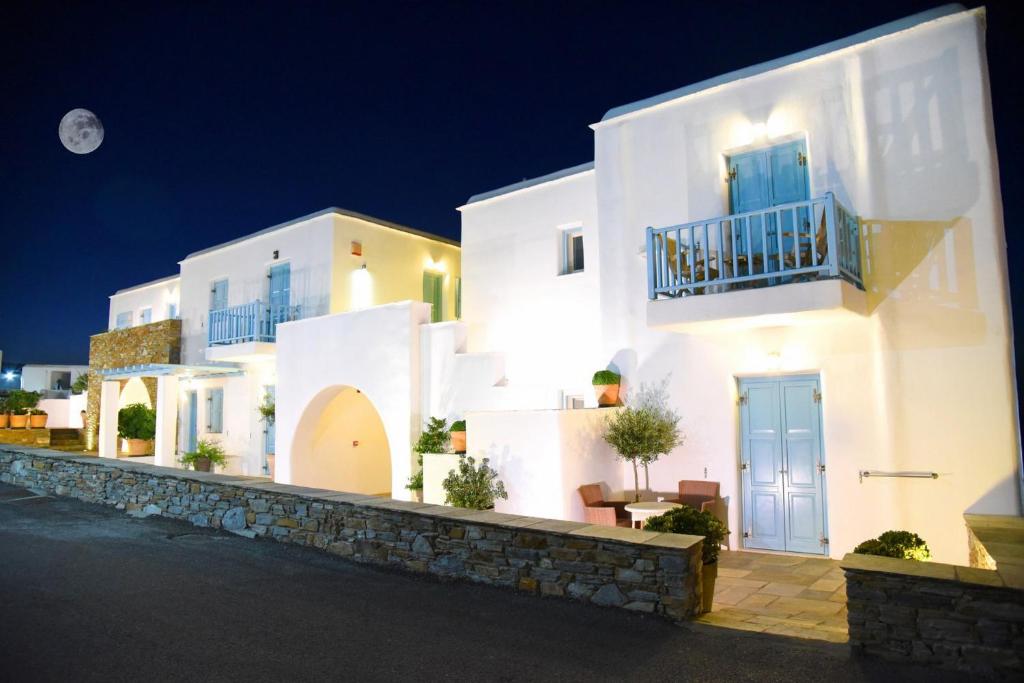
x: 613, y: 567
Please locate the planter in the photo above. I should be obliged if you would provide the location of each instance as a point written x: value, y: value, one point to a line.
x: 4, y: 419
x: 417, y: 495
x: 37, y: 421
x: 19, y: 421
x: 201, y: 465
x: 270, y: 465
x: 707, y: 577
x: 139, y: 447
x: 607, y: 394
x: 458, y: 441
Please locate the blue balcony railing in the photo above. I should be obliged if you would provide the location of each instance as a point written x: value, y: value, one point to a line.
x: 787, y: 243
x: 254, y: 321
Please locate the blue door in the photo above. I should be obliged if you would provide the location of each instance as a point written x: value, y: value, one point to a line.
x: 782, y: 465
x: 279, y: 296
x: 762, y: 179
x: 191, y: 438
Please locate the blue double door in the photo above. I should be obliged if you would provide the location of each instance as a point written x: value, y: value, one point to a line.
x: 782, y: 465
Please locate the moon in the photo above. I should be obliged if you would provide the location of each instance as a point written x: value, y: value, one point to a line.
x: 80, y: 131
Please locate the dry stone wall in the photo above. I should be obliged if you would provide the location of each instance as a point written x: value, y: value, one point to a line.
x: 614, y: 567
x: 961, y: 618
x: 158, y: 342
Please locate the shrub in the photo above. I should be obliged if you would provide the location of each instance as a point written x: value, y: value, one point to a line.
x: 3, y: 406
x: 473, y: 487
x: 268, y: 409
x: 205, y: 449
x: 36, y: 411
x: 433, y: 439
x: 688, y: 520
x: 904, y: 545
x: 21, y: 402
x: 136, y: 421
x: 458, y: 426
x: 604, y: 377
x: 81, y: 383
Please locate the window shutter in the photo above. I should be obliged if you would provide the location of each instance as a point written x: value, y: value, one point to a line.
x: 216, y: 418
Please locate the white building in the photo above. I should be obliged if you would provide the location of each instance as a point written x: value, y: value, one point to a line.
x: 55, y: 379
x: 810, y: 251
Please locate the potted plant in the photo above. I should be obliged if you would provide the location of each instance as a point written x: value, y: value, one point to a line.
x: 19, y: 418
x: 37, y: 418
x: 4, y: 417
x: 642, y: 432
x: 136, y: 424
x: 207, y: 453
x: 458, y: 432
x: 268, y: 408
x: 473, y: 487
x: 606, y: 386
x: 433, y: 439
x: 688, y: 520
x: 21, y: 403
x: 81, y: 384
x: 905, y: 545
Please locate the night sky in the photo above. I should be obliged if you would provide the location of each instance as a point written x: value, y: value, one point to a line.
x: 224, y: 118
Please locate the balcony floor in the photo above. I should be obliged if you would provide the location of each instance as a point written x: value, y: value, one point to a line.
x: 782, y: 305
x: 245, y: 352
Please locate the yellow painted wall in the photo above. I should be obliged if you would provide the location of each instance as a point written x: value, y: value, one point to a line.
x: 395, y: 263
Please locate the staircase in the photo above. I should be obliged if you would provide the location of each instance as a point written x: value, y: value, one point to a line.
x: 65, y: 438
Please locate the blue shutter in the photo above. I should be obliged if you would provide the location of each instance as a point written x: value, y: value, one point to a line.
x: 749, y: 189
x: 761, y: 457
x: 191, y: 440
x: 215, y: 421
x: 219, y: 295
x: 801, y: 435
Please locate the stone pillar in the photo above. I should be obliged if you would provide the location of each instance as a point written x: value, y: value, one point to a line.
x: 110, y: 393
x: 166, y: 420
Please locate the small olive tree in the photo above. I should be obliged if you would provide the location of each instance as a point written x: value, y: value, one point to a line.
x: 644, y: 430
x: 433, y: 439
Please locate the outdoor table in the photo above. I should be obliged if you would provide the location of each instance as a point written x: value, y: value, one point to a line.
x: 641, y: 511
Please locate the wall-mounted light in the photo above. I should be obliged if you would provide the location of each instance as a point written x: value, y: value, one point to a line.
x: 357, y: 249
x: 275, y: 254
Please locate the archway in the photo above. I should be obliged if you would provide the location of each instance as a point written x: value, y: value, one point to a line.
x: 133, y: 391
x: 340, y: 444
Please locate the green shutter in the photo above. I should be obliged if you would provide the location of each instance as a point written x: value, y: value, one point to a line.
x: 432, y: 283
x: 458, y: 298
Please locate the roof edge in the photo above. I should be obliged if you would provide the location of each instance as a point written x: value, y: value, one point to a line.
x: 881, y: 31
x: 530, y: 182
x: 332, y: 210
x: 151, y: 283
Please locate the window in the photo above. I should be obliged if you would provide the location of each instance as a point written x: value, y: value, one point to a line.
x: 572, y: 250
x: 219, y: 295
x: 458, y: 298
x: 215, y: 411
x: 124, y: 320
x: 145, y: 316
x: 172, y: 311
x: 432, y: 286
x: 572, y: 402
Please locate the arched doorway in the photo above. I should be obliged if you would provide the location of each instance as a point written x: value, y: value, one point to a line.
x: 133, y: 391
x: 340, y: 444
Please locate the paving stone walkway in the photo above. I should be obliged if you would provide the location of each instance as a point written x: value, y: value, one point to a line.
x: 803, y: 597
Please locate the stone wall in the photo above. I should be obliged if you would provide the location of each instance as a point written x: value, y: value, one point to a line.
x: 158, y: 342
x: 608, y: 566
x: 28, y: 437
x: 961, y: 618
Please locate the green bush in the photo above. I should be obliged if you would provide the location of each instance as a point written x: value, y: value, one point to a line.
x: 605, y: 377
x: 205, y: 449
x: 3, y: 406
x: 268, y: 409
x: 473, y: 487
x: 20, y: 402
x: 81, y: 383
x: 136, y: 421
x: 458, y: 426
x: 433, y: 439
x: 904, y: 545
x: 688, y: 520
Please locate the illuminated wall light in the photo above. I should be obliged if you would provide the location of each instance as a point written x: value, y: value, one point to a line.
x: 361, y: 291
x: 430, y: 264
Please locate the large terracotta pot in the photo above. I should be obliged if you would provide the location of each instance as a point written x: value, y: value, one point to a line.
x: 458, y: 442
x: 607, y: 394
x: 4, y: 419
x: 139, y: 447
x: 19, y: 421
x: 37, y: 421
x: 708, y: 575
x: 202, y: 465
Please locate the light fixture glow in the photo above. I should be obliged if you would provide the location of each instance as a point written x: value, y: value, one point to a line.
x: 9, y: 376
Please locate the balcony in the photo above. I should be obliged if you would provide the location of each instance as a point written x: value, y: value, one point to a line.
x: 247, y: 332
x: 775, y: 266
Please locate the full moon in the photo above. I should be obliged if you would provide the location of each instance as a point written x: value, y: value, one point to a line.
x: 80, y: 131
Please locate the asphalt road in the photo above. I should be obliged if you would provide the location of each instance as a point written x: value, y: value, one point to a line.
x: 87, y: 593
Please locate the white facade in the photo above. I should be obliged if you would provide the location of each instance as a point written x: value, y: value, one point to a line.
x: 147, y: 303
x: 915, y: 373
x: 50, y: 377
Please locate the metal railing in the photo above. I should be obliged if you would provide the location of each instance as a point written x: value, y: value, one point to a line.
x: 816, y: 237
x: 254, y: 321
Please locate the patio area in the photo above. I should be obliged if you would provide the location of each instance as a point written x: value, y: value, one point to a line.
x: 802, y: 597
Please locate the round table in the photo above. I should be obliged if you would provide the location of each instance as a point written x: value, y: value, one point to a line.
x: 641, y: 511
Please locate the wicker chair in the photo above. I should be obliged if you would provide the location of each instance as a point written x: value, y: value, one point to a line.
x: 698, y: 494
x: 601, y: 511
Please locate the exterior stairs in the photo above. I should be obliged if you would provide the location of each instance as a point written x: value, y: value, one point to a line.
x: 65, y: 437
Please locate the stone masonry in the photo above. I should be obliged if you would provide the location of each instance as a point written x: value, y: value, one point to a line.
x: 961, y: 618
x: 158, y: 342
x: 613, y: 567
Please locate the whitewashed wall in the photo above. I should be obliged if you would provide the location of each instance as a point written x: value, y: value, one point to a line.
x: 37, y: 377
x: 157, y: 296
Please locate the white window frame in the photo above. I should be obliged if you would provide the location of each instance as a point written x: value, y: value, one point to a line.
x: 568, y: 233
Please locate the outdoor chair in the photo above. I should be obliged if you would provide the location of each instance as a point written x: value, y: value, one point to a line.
x: 682, y: 272
x: 700, y: 494
x: 597, y: 510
